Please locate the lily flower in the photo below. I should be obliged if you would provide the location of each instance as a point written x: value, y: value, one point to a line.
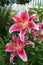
x: 23, y: 22
x: 34, y: 34
x: 41, y: 27
x: 41, y: 38
x: 17, y: 48
x: 8, y: 23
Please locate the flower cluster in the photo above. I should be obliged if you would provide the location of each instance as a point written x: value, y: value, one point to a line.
x: 23, y: 23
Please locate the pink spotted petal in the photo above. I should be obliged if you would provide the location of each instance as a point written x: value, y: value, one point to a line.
x: 12, y: 56
x: 16, y: 18
x: 33, y: 25
x: 22, y: 34
x: 15, y: 27
x: 14, y: 38
x: 19, y: 42
x: 32, y: 17
x: 24, y: 16
x: 22, y: 55
x: 10, y: 47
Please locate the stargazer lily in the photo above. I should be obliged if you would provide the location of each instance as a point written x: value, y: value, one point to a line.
x: 23, y: 22
x: 17, y: 47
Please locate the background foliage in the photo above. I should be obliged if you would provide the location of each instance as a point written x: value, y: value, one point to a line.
x: 35, y: 55
x: 3, y: 2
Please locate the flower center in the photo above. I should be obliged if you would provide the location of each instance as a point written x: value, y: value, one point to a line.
x: 20, y: 46
x: 12, y: 46
x: 24, y: 24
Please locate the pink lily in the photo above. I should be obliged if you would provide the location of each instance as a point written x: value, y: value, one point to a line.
x: 34, y: 34
x: 41, y: 27
x: 17, y: 48
x: 41, y: 38
x: 8, y: 23
x: 23, y: 23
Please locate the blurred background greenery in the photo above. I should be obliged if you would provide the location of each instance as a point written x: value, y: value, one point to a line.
x: 35, y: 55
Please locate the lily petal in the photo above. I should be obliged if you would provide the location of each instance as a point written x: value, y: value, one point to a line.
x: 22, y: 33
x: 16, y: 18
x: 29, y: 42
x: 15, y: 27
x: 19, y: 42
x: 10, y: 47
x: 32, y: 17
x: 12, y: 56
x: 24, y: 16
x: 14, y: 38
x: 33, y: 25
x: 22, y: 55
